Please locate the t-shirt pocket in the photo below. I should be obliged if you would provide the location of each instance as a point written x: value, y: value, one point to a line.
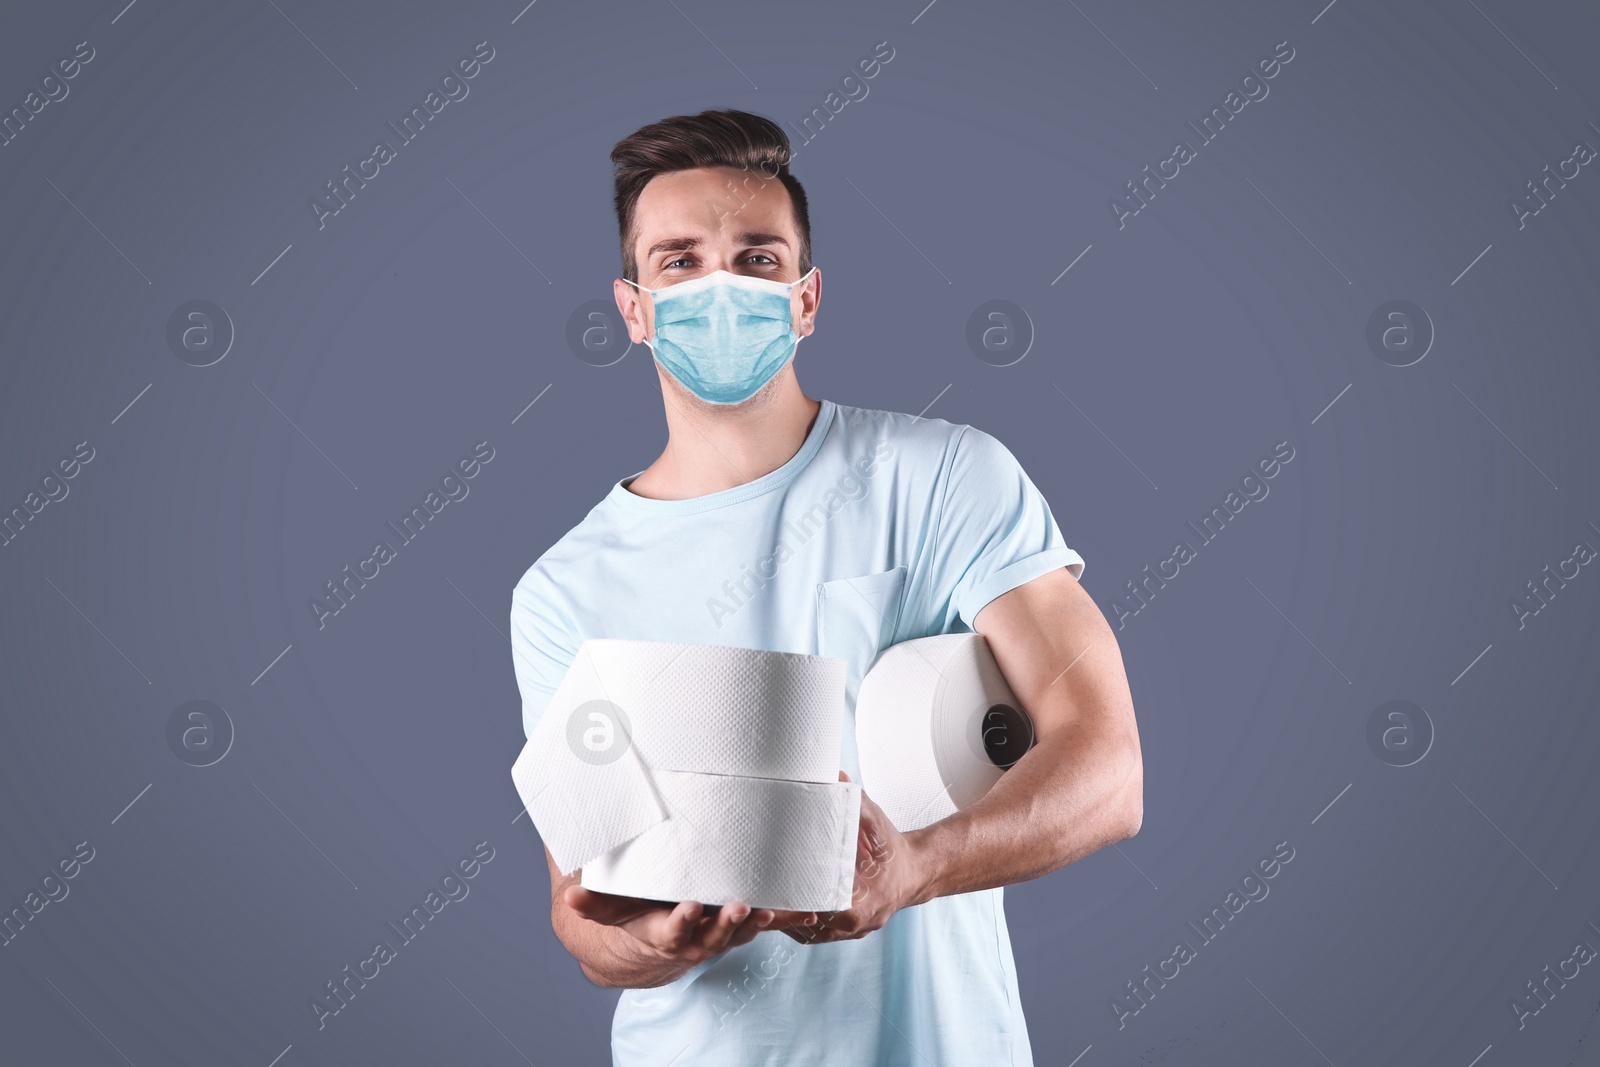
x: 858, y: 617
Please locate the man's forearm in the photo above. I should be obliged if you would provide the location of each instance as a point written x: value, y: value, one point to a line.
x: 1076, y: 791
x: 609, y: 956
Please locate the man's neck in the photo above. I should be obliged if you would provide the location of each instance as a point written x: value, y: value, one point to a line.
x: 711, y: 448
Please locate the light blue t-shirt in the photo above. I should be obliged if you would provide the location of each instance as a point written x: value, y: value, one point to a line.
x: 882, y: 528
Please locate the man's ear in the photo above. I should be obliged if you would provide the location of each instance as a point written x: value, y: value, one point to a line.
x: 810, y: 296
x: 637, y: 312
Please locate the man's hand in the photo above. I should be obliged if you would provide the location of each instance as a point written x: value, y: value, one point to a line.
x: 682, y: 933
x: 665, y: 940
x: 888, y: 877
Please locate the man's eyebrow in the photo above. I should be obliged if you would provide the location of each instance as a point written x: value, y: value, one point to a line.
x: 755, y: 237
x: 689, y: 244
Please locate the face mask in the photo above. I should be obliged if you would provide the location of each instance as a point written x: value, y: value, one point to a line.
x: 723, y: 336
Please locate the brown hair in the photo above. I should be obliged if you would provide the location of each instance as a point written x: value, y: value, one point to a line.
x: 710, y: 139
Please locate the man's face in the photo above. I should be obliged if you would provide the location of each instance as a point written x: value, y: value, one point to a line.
x: 692, y: 222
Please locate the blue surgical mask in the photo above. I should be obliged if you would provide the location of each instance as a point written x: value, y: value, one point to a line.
x: 722, y: 335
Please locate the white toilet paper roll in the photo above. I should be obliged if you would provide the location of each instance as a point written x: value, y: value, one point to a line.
x: 936, y: 725
x: 719, y: 710
x: 627, y: 710
x: 769, y: 843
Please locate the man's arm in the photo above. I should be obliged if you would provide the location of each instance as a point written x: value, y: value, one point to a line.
x: 1079, y: 789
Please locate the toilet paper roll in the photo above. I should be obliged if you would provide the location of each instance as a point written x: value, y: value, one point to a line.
x: 769, y: 843
x: 719, y: 710
x: 936, y: 726
x: 626, y: 710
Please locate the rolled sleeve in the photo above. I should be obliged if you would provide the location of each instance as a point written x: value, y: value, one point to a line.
x: 994, y: 531
x: 975, y: 598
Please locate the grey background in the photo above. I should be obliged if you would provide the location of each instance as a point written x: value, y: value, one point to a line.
x: 1224, y: 318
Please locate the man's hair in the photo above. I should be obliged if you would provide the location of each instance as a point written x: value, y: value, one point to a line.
x: 750, y: 143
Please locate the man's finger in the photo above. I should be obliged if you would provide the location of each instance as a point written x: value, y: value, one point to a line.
x: 680, y: 926
x: 721, y: 930
x: 807, y: 928
x: 758, y: 921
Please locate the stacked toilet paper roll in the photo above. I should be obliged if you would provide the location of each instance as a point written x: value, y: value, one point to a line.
x: 768, y: 842
x: 696, y: 772
x: 936, y: 727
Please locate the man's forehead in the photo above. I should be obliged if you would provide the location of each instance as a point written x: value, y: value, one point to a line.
x: 702, y: 204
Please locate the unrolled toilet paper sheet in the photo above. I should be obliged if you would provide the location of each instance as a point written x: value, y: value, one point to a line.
x: 560, y: 779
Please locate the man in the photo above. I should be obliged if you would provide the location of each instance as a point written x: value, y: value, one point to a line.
x: 775, y: 521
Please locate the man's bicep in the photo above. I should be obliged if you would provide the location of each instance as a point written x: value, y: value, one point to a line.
x: 1059, y: 655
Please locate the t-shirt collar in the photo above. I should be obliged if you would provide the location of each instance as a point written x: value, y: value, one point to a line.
x: 765, y: 484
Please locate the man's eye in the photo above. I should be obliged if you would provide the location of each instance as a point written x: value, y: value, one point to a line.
x: 761, y: 255
x: 681, y: 259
